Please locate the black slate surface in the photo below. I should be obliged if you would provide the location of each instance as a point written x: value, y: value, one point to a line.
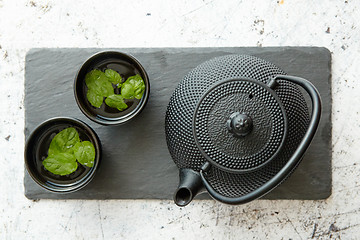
x: 136, y: 163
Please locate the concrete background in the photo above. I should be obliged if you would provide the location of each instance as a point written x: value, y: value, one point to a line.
x: 196, y: 23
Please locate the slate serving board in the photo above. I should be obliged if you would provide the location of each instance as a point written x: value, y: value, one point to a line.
x: 136, y: 163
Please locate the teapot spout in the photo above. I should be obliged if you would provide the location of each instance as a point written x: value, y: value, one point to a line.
x: 189, y: 186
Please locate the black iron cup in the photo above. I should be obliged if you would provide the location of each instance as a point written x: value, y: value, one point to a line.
x: 126, y: 65
x: 36, y: 150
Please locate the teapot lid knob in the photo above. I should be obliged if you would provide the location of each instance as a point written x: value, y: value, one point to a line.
x: 239, y: 124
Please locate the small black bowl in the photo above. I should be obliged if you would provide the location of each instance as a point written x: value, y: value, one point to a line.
x: 36, y: 150
x: 126, y: 65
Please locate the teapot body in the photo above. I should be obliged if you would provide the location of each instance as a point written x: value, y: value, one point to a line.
x: 179, y: 123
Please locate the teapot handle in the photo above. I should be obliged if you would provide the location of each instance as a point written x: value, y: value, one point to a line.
x: 294, y: 160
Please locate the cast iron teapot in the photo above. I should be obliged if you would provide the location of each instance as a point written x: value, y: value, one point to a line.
x: 237, y: 126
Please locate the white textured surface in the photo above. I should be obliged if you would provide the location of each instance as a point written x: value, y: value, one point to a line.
x: 190, y: 23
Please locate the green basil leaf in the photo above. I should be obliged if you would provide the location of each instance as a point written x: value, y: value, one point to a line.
x: 85, y: 153
x: 64, y: 141
x: 133, y: 87
x: 94, y: 99
x: 92, y: 76
x: 116, y: 101
x: 113, y: 76
x: 98, y: 82
x: 61, y: 163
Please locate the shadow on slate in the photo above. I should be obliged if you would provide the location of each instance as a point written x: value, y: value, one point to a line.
x: 136, y: 163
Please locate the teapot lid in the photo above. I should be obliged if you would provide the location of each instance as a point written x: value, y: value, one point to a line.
x: 239, y: 125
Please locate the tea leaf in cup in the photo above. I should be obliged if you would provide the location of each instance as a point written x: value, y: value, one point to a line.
x: 114, y: 77
x: 133, y: 87
x: 92, y: 76
x: 94, y: 99
x: 98, y: 82
x: 116, y: 101
x: 64, y: 141
x: 61, y: 163
x: 85, y: 153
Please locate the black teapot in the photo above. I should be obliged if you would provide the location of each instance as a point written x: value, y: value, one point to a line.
x: 237, y: 126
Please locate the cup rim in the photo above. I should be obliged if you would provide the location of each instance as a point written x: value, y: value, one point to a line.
x: 123, y: 119
x: 51, y: 186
